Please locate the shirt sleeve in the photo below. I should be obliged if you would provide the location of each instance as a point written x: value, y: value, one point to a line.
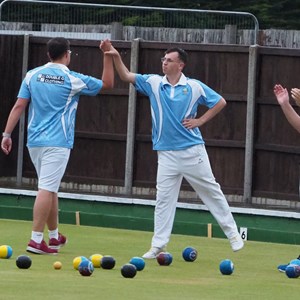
x: 24, y: 91
x: 209, y: 97
x: 87, y: 85
x: 141, y: 84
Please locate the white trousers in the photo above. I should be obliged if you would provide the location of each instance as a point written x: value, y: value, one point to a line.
x: 192, y: 164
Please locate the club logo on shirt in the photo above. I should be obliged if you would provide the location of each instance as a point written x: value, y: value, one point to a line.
x: 52, y: 79
x: 185, y: 91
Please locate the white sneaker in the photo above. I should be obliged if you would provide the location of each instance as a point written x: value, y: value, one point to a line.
x: 236, y: 243
x: 153, y: 252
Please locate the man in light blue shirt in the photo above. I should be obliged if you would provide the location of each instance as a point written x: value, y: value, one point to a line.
x: 171, y: 104
x: 52, y: 92
x: 174, y: 100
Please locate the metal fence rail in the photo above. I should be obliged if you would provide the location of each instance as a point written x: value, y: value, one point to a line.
x: 32, y: 15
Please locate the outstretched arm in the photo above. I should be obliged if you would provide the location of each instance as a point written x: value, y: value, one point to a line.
x: 13, y: 119
x: 108, y: 68
x: 208, y: 115
x: 282, y: 97
x: 122, y: 70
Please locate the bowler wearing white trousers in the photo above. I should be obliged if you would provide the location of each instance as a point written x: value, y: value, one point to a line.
x: 176, y: 137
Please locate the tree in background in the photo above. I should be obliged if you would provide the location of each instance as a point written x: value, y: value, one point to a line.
x: 282, y: 14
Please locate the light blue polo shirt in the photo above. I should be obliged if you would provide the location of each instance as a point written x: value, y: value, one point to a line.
x: 53, y: 91
x: 170, y: 105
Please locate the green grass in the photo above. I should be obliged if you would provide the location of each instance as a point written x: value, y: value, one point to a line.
x: 255, y: 275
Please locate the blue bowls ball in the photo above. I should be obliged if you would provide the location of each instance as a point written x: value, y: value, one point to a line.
x: 292, y: 271
x: 86, y: 268
x: 226, y: 267
x: 138, y: 262
x: 189, y: 254
x: 297, y: 270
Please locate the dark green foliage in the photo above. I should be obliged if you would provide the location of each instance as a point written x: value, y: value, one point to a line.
x: 270, y: 14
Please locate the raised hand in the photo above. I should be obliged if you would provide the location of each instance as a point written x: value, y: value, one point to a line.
x: 113, y: 51
x: 295, y: 92
x: 281, y: 94
x: 105, y: 45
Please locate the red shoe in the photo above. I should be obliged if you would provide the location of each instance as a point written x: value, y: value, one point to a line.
x: 57, y: 243
x: 41, y: 248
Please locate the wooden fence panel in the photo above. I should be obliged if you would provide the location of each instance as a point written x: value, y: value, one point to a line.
x: 277, y: 147
x: 11, y: 56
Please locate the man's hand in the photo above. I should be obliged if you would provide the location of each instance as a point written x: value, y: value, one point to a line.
x: 281, y: 94
x: 112, y: 51
x: 105, y: 45
x: 6, y: 145
x: 191, y: 123
x: 296, y: 95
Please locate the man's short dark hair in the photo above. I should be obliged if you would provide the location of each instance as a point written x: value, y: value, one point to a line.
x: 183, y: 56
x: 57, y: 47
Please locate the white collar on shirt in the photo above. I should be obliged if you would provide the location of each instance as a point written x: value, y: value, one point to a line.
x: 56, y: 65
x: 182, y: 80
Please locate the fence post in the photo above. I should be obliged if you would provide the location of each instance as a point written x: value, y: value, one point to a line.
x: 230, y: 34
x: 252, y: 64
x: 131, y: 119
x: 116, y: 31
x: 22, y: 118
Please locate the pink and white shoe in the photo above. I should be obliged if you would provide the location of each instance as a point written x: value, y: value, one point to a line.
x: 41, y: 248
x: 57, y: 243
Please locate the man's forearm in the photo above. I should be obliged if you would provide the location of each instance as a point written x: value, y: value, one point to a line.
x: 291, y: 115
x: 211, y: 113
x: 15, y: 115
x: 122, y: 70
x: 108, y: 72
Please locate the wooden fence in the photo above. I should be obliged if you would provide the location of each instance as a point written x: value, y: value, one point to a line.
x: 254, y: 152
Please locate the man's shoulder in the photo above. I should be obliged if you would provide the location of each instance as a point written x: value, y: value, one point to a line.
x: 81, y: 76
x: 193, y: 81
x: 36, y: 69
x: 146, y: 77
x: 46, y: 69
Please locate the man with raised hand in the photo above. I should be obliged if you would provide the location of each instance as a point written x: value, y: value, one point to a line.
x: 174, y: 99
x: 52, y: 92
x: 282, y: 96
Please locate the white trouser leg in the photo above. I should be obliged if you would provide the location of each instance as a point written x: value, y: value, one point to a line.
x: 199, y: 174
x: 168, y: 186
